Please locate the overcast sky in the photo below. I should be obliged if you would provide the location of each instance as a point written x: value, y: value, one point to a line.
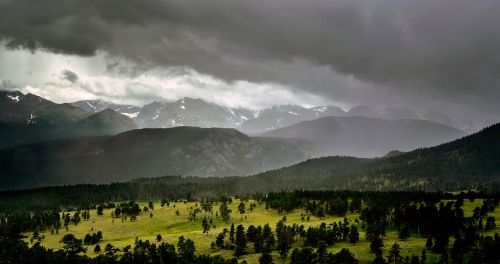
x: 426, y: 54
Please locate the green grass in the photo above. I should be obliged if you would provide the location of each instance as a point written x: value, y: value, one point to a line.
x: 165, y: 222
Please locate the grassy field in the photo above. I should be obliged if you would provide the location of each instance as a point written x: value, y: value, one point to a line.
x: 170, y: 226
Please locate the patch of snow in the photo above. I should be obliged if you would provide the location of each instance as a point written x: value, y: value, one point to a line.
x: 131, y: 115
x: 173, y: 122
x: 31, y: 119
x: 14, y: 98
x: 293, y: 113
x: 157, y: 114
x: 98, y: 151
x: 231, y: 111
x: 320, y: 109
x: 244, y: 117
x: 183, y: 107
x: 90, y: 105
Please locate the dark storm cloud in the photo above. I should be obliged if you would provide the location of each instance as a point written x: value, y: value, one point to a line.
x: 69, y: 76
x: 441, y: 49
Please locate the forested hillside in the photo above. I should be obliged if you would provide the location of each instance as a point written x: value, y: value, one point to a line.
x: 469, y: 163
x: 146, y: 153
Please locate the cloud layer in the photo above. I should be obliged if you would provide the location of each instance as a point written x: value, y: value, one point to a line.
x: 167, y: 85
x: 353, y: 51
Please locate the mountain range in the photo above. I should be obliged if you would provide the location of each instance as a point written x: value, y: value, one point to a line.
x: 191, y: 112
x: 146, y: 153
x: 27, y: 118
x: 196, y: 112
x: 45, y: 143
x: 367, y: 137
x: 95, y: 106
x: 470, y: 162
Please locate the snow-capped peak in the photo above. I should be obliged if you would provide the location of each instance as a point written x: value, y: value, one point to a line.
x: 131, y: 115
x: 320, y: 109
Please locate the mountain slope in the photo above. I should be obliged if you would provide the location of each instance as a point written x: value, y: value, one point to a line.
x: 106, y: 122
x: 191, y: 112
x: 146, y: 153
x: 285, y: 115
x: 16, y: 107
x: 196, y: 112
x: 95, y: 106
x: 469, y: 162
x: 367, y: 137
x: 27, y: 118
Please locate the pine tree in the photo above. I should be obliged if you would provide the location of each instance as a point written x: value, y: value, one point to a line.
x: 490, y: 223
x: 379, y: 259
x: 376, y: 244
x: 241, y: 208
x: 321, y: 252
x: 268, y: 237
x: 97, y: 248
x: 186, y: 247
x: 258, y: 240
x: 404, y: 233
x: 231, y: 233
x: 414, y: 260
x: 353, y: 235
x: 266, y: 258
x: 225, y: 212
x: 72, y: 245
x: 457, y: 250
x: 205, y: 225
x: 394, y: 253
x: 241, y: 241
x: 428, y: 243
x: 423, y: 257
x: 219, y: 241
x: 284, y: 239
x: 100, y: 209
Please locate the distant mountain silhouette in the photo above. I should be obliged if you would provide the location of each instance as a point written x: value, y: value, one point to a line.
x: 367, y: 137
